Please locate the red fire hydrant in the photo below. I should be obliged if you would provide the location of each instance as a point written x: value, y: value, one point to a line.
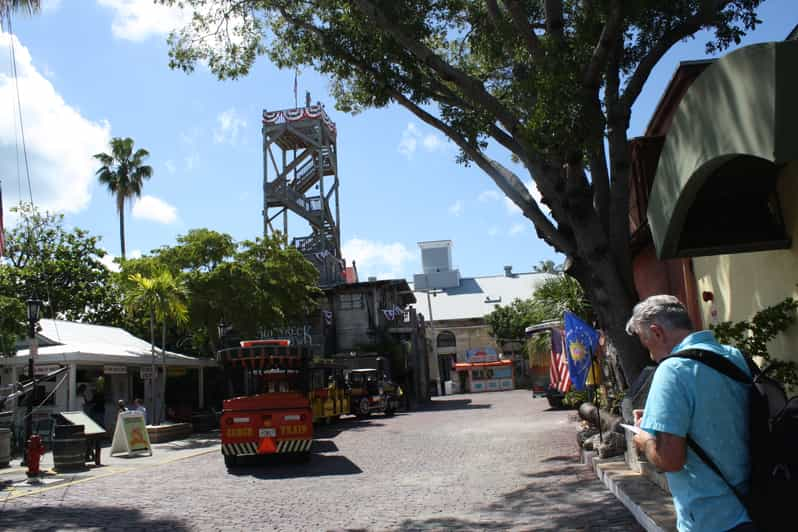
x: 35, y: 452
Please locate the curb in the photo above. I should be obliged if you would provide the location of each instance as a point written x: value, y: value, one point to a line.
x: 647, y: 502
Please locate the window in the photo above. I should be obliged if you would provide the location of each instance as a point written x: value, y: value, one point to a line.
x: 446, y: 339
x: 350, y: 301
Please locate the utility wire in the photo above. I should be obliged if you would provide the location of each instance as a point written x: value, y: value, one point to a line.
x: 19, y: 107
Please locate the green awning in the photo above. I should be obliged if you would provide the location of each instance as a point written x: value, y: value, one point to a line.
x: 736, y: 124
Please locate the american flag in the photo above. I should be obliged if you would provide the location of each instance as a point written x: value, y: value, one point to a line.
x: 559, y: 376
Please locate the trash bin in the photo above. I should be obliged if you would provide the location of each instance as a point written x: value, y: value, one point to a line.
x: 5, y: 447
x: 69, y: 447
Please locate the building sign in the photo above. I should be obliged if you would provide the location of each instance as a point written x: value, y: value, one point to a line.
x: 115, y: 370
x: 176, y: 372
x: 146, y: 372
x: 39, y: 371
x: 484, y: 354
x: 299, y: 335
x: 131, y: 434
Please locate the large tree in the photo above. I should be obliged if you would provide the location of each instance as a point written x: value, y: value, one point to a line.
x: 62, y: 267
x: 123, y: 172
x: 549, y: 82
x: 251, y: 285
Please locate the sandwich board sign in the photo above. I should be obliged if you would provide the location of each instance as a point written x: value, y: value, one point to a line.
x: 131, y: 435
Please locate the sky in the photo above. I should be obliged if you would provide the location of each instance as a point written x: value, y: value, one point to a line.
x: 90, y: 70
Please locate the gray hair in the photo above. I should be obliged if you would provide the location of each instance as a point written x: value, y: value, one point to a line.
x: 664, y: 310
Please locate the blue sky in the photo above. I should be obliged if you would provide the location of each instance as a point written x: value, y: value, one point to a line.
x: 91, y: 70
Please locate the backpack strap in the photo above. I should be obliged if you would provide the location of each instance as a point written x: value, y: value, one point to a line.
x: 710, y: 464
x: 728, y: 368
x: 716, y: 362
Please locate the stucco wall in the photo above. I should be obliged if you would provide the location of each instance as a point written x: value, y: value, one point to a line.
x: 745, y: 283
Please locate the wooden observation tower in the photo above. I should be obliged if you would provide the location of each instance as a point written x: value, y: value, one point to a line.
x: 300, y: 153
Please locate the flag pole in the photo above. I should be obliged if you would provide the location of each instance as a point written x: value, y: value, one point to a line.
x: 595, y: 390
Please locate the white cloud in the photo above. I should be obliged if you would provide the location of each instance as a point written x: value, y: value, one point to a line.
x: 488, y: 195
x: 412, y: 137
x: 60, y: 142
x: 433, y: 142
x: 170, y: 166
x: 230, y: 123
x: 374, y: 258
x: 135, y: 254
x: 136, y: 20
x: 108, y: 262
x: 407, y: 146
x: 191, y: 160
x: 456, y: 208
x: 517, y: 229
x: 154, y: 209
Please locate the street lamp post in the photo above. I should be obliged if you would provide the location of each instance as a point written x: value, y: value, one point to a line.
x: 34, y: 305
x: 221, y: 329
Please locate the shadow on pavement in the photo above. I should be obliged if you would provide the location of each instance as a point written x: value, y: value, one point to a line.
x: 567, y: 496
x: 346, y: 425
x: 276, y: 467
x: 324, y: 446
x: 194, y: 443
x: 452, y: 404
x: 81, y: 518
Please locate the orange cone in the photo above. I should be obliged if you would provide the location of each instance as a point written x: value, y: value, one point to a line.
x: 267, y: 446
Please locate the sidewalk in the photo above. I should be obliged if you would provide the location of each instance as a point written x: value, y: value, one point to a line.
x: 14, y: 482
x: 649, y: 504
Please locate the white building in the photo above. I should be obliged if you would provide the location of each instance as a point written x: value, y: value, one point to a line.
x: 110, y: 362
x: 455, y: 308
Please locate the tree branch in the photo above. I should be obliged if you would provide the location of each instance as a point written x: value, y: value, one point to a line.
x: 504, y: 179
x: 554, y: 20
x: 665, y: 43
x: 471, y: 87
x: 607, y: 41
x: 522, y: 27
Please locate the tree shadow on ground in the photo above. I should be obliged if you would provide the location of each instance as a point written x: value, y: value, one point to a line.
x: 278, y: 467
x: 452, y: 404
x: 71, y: 517
x: 565, y: 496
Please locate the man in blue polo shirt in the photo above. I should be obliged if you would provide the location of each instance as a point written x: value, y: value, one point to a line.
x: 690, y: 398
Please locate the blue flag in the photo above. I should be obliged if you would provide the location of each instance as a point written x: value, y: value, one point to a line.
x: 581, y: 341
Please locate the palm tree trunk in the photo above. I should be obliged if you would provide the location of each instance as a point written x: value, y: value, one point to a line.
x: 152, y: 367
x: 163, y: 366
x: 120, y: 205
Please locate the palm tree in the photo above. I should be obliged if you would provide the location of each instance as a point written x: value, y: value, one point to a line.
x: 123, y: 172
x: 9, y: 6
x: 142, y: 296
x: 171, y: 305
x: 547, y: 266
x: 162, y: 297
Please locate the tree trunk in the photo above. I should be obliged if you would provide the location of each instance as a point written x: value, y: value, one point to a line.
x: 152, y: 367
x: 121, y: 207
x: 162, y: 413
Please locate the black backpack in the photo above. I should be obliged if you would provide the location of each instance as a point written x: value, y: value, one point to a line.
x: 773, y: 444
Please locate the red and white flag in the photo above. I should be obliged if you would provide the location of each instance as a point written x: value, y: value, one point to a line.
x: 559, y: 376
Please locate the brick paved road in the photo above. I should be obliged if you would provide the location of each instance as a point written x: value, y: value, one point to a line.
x: 492, y: 461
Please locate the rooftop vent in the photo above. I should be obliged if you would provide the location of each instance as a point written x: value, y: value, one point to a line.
x: 508, y: 271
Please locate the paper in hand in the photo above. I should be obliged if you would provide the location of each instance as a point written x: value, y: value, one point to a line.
x: 634, y: 429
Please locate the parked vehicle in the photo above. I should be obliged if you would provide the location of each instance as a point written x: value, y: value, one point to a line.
x: 269, y: 411
x: 373, y: 391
